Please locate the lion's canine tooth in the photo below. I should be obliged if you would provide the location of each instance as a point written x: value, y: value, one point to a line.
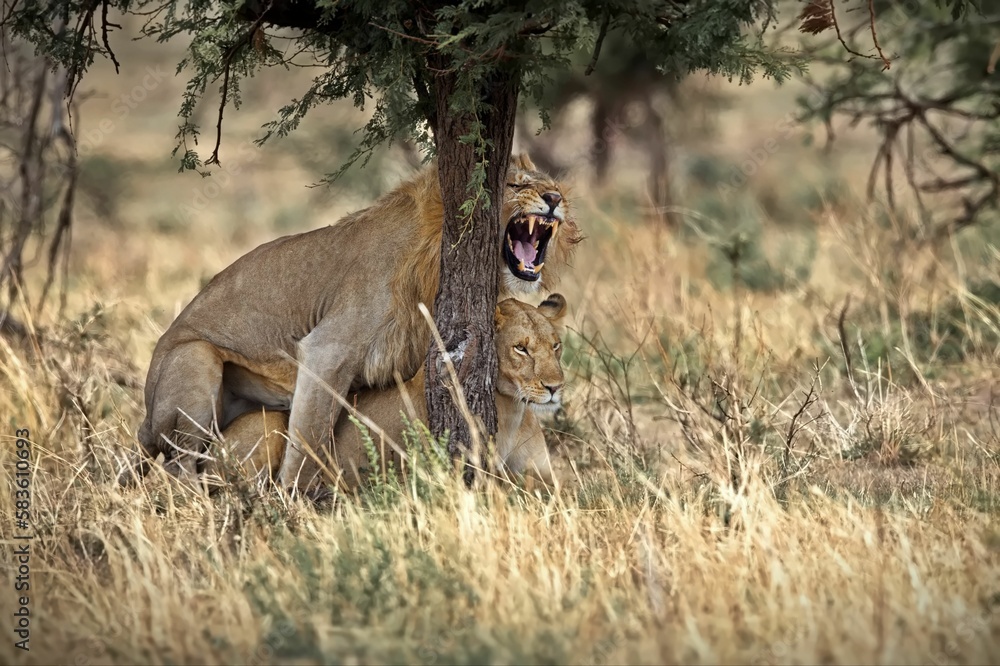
x: 535, y: 244
x: 531, y: 224
x: 538, y: 268
x: 555, y: 227
x: 520, y: 265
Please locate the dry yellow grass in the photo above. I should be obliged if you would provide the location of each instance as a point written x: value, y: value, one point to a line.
x: 702, y: 518
x: 492, y: 580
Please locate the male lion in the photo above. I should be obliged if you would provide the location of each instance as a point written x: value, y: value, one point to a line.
x: 342, y: 301
x: 530, y: 382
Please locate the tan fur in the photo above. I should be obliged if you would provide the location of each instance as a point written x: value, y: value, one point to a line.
x: 340, y: 301
x: 255, y: 441
x: 521, y: 391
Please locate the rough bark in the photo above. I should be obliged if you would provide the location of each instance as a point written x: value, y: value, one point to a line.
x: 470, y: 262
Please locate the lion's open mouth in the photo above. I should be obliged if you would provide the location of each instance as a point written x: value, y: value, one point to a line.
x: 525, y: 241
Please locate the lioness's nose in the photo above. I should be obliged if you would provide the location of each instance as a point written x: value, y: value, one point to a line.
x: 553, y: 389
x: 552, y: 199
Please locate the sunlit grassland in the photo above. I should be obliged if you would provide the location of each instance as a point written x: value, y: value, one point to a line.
x: 779, y: 443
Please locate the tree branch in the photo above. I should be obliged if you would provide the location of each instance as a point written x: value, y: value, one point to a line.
x: 598, y: 44
x: 821, y: 15
x: 425, y: 100
x: 534, y: 28
x: 842, y: 332
x: 871, y: 20
x: 214, y: 157
x: 414, y: 38
x: 104, y: 34
x: 301, y: 14
x: 227, y: 62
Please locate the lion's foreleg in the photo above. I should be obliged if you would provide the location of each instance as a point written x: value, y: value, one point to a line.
x: 530, y: 454
x: 325, y: 367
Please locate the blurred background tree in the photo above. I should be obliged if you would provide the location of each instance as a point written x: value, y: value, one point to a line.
x: 934, y: 105
x: 627, y: 93
x: 932, y: 92
x: 39, y: 174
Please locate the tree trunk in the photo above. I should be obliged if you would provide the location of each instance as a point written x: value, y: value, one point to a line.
x: 470, y: 263
x: 602, y: 135
x: 655, y: 140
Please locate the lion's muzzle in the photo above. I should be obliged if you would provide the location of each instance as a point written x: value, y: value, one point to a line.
x: 525, y: 242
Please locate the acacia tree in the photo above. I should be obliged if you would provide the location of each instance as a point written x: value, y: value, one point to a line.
x: 446, y: 74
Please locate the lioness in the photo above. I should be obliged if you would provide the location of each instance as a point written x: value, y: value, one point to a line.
x: 342, y: 301
x: 531, y: 378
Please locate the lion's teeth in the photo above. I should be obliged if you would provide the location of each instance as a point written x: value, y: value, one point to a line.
x: 555, y: 227
x: 538, y: 268
x: 531, y: 224
x: 535, y: 244
x: 520, y: 266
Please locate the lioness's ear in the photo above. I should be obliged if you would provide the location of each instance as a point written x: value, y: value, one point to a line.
x: 553, y: 307
x: 498, y: 317
x: 523, y: 162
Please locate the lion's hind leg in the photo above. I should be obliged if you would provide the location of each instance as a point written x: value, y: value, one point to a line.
x: 186, y: 404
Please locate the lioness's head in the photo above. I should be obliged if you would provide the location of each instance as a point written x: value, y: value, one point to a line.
x: 529, y: 350
x: 538, y: 227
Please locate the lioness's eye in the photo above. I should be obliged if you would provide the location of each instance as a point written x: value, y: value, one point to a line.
x: 517, y: 186
x: 557, y: 345
x: 521, y: 349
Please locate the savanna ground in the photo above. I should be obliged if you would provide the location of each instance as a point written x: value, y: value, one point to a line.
x: 732, y: 488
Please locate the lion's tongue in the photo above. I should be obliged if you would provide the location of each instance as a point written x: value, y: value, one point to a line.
x: 525, y: 252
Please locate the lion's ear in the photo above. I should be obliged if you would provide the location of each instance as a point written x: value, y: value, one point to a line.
x: 523, y: 162
x: 553, y: 307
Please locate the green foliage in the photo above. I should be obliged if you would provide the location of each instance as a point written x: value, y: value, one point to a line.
x: 369, y: 586
x: 627, y: 488
x: 392, y: 53
x: 961, y: 329
x: 424, y: 474
x: 744, y: 255
x: 105, y: 181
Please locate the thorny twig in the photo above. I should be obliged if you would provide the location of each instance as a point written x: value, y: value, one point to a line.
x: 841, y: 331
x: 598, y: 44
x: 821, y: 15
x: 227, y: 63
x: 794, y: 426
x: 104, y: 34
